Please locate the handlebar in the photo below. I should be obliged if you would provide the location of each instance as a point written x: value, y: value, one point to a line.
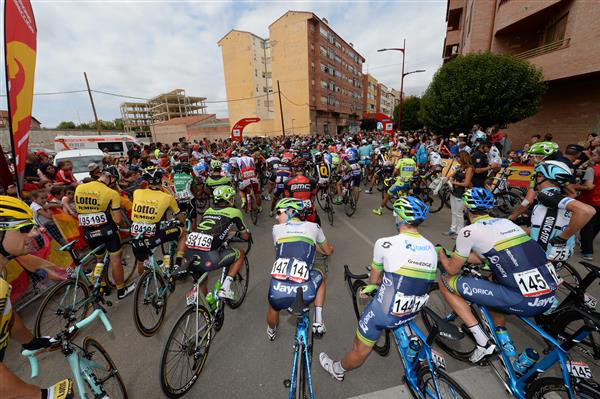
x: 349, y: 274
x: 65, y: 335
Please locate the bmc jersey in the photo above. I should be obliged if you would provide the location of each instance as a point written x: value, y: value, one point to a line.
x: 301, y: 187
x: 149, y: 208
x: 549, y: 218
x: 214, y: 228
x: 5, y: 316
x: 295, y: 243
x: 515, y: 259
x: 94, y: 201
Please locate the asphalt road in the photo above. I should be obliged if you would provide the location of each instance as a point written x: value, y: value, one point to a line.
x: 242, y: 363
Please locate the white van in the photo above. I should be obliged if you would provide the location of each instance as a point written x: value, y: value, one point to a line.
x: 115, y: 144
x: 80, y: 159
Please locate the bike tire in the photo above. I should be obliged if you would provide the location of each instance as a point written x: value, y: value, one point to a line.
x: 321, y: 198
x: 240, y: 285
x: 542, y: 386
x: 350, y: 203
x: 434, y: 202
x: 147, y: 296
x: 445, y: 194
x: 175, y: 344
x: 219, y: 316
x: 382, y: 346
x: 128, y: 262
x: 112, y: 383
x: 54, y: 307
x: 426, y: 384
x: 329, y: 211
x: 506, y: 203
x: 568, y: 322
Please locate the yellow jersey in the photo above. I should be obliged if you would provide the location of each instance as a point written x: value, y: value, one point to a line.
x: 5, y: 316
x: 149, y: 208
x: 94, y: 201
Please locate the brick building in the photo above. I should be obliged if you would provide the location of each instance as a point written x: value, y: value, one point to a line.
x: 35, y: 124
x: 193, y: 127
x: 562, y: 37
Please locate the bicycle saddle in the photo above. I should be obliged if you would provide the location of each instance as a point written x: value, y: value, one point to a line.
x: 446, y: 329
x: 591, y: 268
x: 298, y: 307
x: 69, y: 246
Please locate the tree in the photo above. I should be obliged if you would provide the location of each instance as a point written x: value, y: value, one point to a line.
x: 368, y: 124
x: 411, y: 120
x: 486, y: 89
x: 66, y: 125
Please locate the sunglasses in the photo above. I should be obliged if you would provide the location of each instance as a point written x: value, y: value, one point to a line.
x: 280, y: 212
x: 23, y: 228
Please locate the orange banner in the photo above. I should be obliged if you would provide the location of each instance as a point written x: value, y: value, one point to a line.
x: 519, y: 174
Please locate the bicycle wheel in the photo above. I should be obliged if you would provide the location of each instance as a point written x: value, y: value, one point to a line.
x: 445, y: 194
x: 460, y: 350
x: 253, y: 209
x: 350, y: 203
x: 329, y: 211
x: 506, y: 203
x: 569, y: 322
x: 570, y: 276
x: 240, y: 285
x: 554, y: 387
x: 434, y: 202
x: 61, y: 308
x: 150, y: 304
x: 322, y: 198
x: 103, y: 369
x: 382, y: 346
x: 128, y: 262
x: 448, y: 387
x: 186, y: 351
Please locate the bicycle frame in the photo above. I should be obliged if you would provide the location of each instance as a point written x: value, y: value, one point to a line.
x: 206, y: 305
x: 156, y: 269
x: 301, y: 342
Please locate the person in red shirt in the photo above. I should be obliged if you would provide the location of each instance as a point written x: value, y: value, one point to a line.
x: 65, y: 173
x: 590, y: 194
x: 304, y: 188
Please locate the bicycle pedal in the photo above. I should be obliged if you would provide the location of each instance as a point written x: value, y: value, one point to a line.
x: 287, y: 383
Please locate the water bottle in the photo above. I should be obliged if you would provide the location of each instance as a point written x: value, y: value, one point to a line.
x: 166, y: 262
x: 413, y: 349
x: 97, y: 271
x: 526, y: 359
x: 403, y: 338
x: 210, y: 298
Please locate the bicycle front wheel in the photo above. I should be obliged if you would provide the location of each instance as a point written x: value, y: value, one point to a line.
x: 186, y: 351
x: 553, y: 387
x: 329, y: 211
x: 240, y: 285
x: 150, y: 303
x: 448, y: 387
x: 350, y: 204
x: 104, y: 369
x: 61, y: 308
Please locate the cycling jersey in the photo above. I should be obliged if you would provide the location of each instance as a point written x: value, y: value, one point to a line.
x: 201, y: 168
x: 149, y: 208
x: 435, y: 159
x: 409, y: 264
x: 94, y: 202
x: 182, y: 184
x: 406, y: 168
x: 524, y: 282
x: 550, y: 218
x: 226, y: 169
x: 324, y: 172
x: 216, y: 180
x: 246, y: 167
x: 353, y: 172
x: 280, y: 176
x: 364, y: 153
x: 5, y: 316
x: 327, y: 157
x: 304, y: 188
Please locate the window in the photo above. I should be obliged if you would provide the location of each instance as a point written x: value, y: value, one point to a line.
x: 323, y: 50
x: 338, y: 74
x: 331, y: 85
x: 324, y: 68
x: 323, y: 84
x: 555, y: 30
x: 312, y: 82
x: 330, y: 100
x: 330, y: 54
x: 324, y: 32
x: 338, y: 59
x: 323, y: 99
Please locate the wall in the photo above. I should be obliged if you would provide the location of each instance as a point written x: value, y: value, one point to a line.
x: 479, y: 15
x: 44, y: 138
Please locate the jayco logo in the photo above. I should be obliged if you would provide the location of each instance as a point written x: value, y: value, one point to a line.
x: 363, y: 323
x: 539, y: 303
x: 468, y: 290
x: 288, y: 289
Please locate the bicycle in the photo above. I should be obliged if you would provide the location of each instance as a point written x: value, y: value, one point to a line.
x: 90, y: 364
x: 72, y: 299
x: 520, y: 385
x: 250, y: 205
x: 155, y: 285
x: 349, y: 198
x: 189, y: 340
x: 507, y: 199
x: 423, y: 366
x: 325, y: 196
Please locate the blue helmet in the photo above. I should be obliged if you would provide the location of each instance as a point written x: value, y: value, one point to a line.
x: 556, y: 171
x: 410, y: 210
x: 351, y: 154
x: 479, y: 199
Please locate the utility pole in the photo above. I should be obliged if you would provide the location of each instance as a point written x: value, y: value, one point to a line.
x: 92, y: 101
x: 280, y: 108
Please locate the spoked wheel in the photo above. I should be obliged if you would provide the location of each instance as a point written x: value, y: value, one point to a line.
x: 253, y: 209
x: 382, y: 346
x: 568, y: 323
x: 570, y: 276
x: 460, y: 350
x: 150, y: 304
x: 434, y: 202
x: 240, y: 285
x: 553, y: 387
x: 186, y: 351
x: 128, y: 262
x: 62, y: 308
x: 448, y: 387
x: 350, y: 204
x: 104, y: 370
x: 322, y: 198
x: 445, y: 194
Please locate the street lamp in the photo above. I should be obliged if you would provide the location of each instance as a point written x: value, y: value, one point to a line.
x: 403, y: 50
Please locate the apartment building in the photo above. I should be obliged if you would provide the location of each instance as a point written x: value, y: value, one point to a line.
x: 385, y: 100
x: 247, y: 67
x: 319, y: 74
x: 561, y: 37
x: 370, y: 94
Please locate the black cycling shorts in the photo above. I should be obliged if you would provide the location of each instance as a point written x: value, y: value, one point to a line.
x: 107, y: 235
x: 189, y: 208
x: 143, y: 247
x: 206, y: 261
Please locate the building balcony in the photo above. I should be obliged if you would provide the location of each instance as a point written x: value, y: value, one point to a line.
x: 453, y: 37
x: 546, y: 48
x: 510, y: 12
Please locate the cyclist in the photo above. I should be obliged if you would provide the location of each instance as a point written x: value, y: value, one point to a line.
x: 296, y: 243
x: 406, y: 263
x: 323, y: 170
x: 149, y: 209
x: 99, y: 212
x: 383, y: 165
x: 248, y: 179
x: 205, y: 251
x: 304, y: 188
x: 272, y: 163
x: 405, y: 169
x: 185, y: 190
x: 523, y: 281
x: 17, y: 238
x: 556, y: 217
x: 216, y: 178
x: 350, y: 171
x: 279, y: 178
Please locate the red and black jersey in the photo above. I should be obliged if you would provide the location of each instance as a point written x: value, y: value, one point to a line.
x: 301, y: 187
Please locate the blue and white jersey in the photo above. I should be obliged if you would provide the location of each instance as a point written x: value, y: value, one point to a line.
x: 351, y: 154
x: 201, y: 168
x: 297, y: 240
x: 327, y: 157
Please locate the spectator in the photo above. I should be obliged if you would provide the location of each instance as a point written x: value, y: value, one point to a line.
x: 31, y: 169
x: 461, y: 180
x: 548, y: 137
x: 47, y: 172
x: 43, y: 216
x: 506, y: 145
x: 534, y: 139
x: 55, y: 196
x: 68, y: 201
x: 65, y: 173
x: 590, y: 194
x: 573, y: 154
x: 481, y: 164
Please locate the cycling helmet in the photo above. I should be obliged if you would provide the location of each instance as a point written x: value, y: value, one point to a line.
x: 224, y: 194
x: 293, y: 207
x: 479, y: 199
x: 14, y: 213
x: 364, y: 141
x: 111, y: 171
x: 216, y: 164
x: 182, y: 168
x: 299, y: 163
x: 556, y: 171
x: 410, y: 210
x: 153, y: 175
x: 545, y: 148
x: 318, y: 156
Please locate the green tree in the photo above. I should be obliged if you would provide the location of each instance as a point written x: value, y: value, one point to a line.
x: 487, y: 89
x: 66, y: 125
x: 119, y: 124
x: 411, y: 119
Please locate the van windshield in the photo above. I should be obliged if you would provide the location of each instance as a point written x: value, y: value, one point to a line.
x: 80, y: 164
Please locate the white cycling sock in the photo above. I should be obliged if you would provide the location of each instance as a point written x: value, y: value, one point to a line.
x: 319, y: 314
x: 227, y: 283
x: 337, y: 368
x: 479, y: 335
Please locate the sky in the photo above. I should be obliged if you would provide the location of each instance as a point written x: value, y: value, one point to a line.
x: 144, y: 48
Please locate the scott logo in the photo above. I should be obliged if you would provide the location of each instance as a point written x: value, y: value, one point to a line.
x: 470, y: 291
x: 386, y: 244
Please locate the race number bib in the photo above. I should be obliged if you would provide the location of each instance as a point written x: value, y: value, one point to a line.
x: 298, y: 271
x: 532, y: 283
x: 183, y: 195
x: 307, y: 204
x: 279, y: 270
x: 200, y: 241
x: 92, y: 219
x: 579, y: 369
x: 248, y: 174
x: 407, y: 304
x: 560, y: 253
x: 148, y: 229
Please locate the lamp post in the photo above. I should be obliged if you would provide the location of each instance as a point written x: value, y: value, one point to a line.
x: 403, y: 50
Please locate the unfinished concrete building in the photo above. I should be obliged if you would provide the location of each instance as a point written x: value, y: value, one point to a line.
x: 175, y: 104
x: 136, y: 118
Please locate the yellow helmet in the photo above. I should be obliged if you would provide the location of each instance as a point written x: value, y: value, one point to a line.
x: 14, y: 213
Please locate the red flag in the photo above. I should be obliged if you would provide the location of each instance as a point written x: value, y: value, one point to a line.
x: 20, y: 44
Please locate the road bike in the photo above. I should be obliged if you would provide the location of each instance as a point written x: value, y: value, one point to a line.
x: 507, y: 198
x: 325, y: 194
x: 250, y: 206
x: 423, y: 366
x: 95, y: 374
x: 349, y: 197
x: 187, y: 346
x: 73, y: 299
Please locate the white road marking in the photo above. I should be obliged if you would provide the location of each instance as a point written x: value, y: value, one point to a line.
x: 357, y: 231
